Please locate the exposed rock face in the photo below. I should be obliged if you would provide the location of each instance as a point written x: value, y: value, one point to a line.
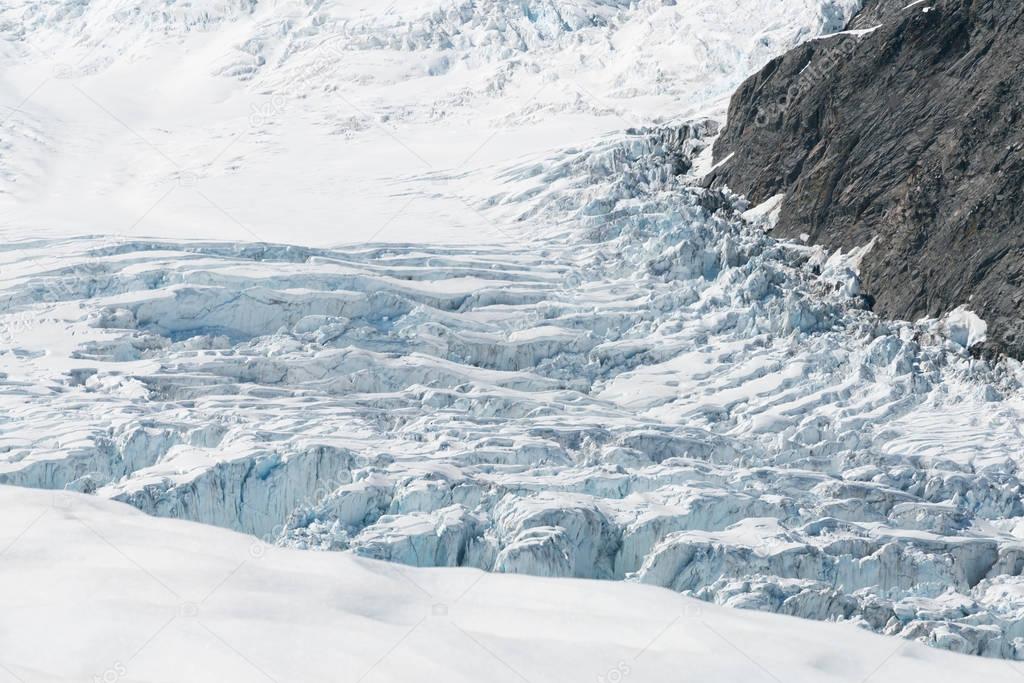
x: 908, y: 135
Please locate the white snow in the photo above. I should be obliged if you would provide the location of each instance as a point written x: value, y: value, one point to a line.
x: 618, y: 400
x: 767, y: 212
x: 964, y: 327
x: 94, y: 590
x: 342, y: 121
x: 433, y: 283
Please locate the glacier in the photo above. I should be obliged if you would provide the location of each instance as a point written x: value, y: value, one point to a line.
x: 187, y: 601
x: 542, y: 347
x: 655, y: 391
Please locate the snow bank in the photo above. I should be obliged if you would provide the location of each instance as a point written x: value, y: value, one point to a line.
x: 156, y: 600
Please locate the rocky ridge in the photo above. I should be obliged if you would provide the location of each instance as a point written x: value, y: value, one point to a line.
x: 901, y: 133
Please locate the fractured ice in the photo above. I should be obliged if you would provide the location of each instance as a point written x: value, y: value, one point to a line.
x: 642, y: 386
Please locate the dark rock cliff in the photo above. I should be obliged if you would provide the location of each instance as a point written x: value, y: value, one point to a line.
x: 910, y: 135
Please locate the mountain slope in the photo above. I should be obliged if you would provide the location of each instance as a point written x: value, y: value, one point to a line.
x: 557, y: 355
x: 906, y: 137
x: 656, y: 391
x: 338, y: 122
x: 95, y: 590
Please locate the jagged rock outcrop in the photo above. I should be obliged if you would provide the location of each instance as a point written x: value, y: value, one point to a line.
x: 903, y: 133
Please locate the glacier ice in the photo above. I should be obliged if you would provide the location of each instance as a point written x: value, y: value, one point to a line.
x: 652, y: 389
x: 635, y: 383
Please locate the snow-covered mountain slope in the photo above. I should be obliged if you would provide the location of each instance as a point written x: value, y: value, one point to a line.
x: 341, y: 121
x: 659, y: 392
x: 123, y: 596
x: 543, y: 348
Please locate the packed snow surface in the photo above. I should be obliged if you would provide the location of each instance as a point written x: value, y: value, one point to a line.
x: 557, y: 356
x: 154, y: 600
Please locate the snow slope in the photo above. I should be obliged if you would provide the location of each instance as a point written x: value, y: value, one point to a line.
x: 341, y: 121
x: 555, y: 354
x: 123, y: 596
